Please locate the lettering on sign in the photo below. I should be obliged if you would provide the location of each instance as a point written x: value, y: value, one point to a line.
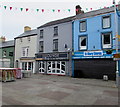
x: 93, y: 53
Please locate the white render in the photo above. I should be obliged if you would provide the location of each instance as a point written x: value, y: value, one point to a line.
x: 31, y: 51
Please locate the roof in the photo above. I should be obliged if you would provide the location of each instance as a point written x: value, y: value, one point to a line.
x: 7, y: 44
x: 27, y: 33
x: 80, y: 16
x: 68, y: 19
x: 95, y: 12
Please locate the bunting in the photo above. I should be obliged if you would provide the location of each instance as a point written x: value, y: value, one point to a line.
x: 45, y: 10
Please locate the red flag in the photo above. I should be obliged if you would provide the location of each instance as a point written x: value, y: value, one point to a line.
x: 10, y: 8
x: 90, y: 8
x: 42, y: 10
x: 58, y: 10
x: 26, y: 9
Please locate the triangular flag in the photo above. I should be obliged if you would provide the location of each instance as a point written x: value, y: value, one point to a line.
x: 90, y: 8
x: 37, y: 10
x: 42, y: 10
x: 53, y: 10
x: 86, y: 8
x: 26, y: 9
x: 21, y: 9
x: 10, y: 8
x: 58, y: 10
x: 5, y: 7
x: 69, y: 10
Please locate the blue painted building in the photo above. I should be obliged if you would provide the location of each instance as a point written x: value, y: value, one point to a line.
x: 94, y: 44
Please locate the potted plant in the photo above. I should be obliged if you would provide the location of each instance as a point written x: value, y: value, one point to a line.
x: 109, y: 51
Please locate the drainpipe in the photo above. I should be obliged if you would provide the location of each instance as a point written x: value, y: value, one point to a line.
x: 116, y: 33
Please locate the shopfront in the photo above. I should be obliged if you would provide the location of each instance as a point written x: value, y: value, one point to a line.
x: 54, y: 63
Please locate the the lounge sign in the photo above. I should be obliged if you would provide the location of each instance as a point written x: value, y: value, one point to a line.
x: 93, y: 53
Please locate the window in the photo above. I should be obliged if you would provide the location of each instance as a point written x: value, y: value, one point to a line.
x: 83, y: 26
x: 56, y: 31
x: 41, y: 33
x: 106, y: 22
x: 20, y: 39
x: 25, y: 51
x: 10, y: 53
x: 41, y: 46
x: 4, y: 53
x: 106, y: 40
x: 55, y: 45
x: 29, y: 39
x: 83, y: 43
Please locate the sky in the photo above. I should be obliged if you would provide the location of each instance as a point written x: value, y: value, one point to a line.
x: 12, y: 21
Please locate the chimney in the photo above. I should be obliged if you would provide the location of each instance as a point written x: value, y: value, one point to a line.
x: 27, y: 28
x: 2, y: 39
x: 78, y: 10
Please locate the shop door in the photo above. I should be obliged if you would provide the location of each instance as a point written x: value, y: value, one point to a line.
x: 56, y: 67
x: 41, y: 67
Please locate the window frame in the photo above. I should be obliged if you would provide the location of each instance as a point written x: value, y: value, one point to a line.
x: 103, y: 17
x: 41, y: 33
x: 56, y: 31
x: 25, y: 51
x: 56, y: 49
x: 41, y: 49
x: 79, y: 43
x: 107, y: 45
x: 85, y: 25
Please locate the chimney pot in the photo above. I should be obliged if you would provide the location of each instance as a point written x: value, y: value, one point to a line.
x: 27, y: 28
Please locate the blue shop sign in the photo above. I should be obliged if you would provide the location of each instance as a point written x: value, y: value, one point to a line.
x: 93, y: 53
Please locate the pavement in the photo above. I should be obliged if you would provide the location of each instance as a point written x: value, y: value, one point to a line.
x: 59, y: 90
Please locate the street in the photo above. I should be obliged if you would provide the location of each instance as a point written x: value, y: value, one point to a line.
x: 59, y: 90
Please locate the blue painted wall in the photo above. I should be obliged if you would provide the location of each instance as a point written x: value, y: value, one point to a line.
x: 94, y: 30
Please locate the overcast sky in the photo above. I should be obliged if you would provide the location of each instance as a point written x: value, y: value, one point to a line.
x: 13, y: 21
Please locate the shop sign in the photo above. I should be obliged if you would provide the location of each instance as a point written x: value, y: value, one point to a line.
x: 93, y: 53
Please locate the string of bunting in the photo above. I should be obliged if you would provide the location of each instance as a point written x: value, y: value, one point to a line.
x: 44, y: 10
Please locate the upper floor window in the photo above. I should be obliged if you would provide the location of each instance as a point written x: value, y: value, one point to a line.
x: 25, y: 51
x: 82, y: 42
x: 56, y: 31
x: 55, y: 45
x: 41, y: 46
x: 4, y: 53
x: 106, y: 22
x: 28, y: 39
x: 83, y: 26
x: 41, y: 33
x: 20, y: 39
x: 106, y: 40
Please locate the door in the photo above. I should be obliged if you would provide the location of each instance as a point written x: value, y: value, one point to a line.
x: 41, y: 67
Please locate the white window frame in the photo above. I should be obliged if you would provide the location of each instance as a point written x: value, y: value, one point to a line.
x: 41, y: 47
x: 106, y: 23
x: 106, y: 45
x: 25, y: 51
x: 83, y: 26
x: 41, y: 33
x: 82, y: 47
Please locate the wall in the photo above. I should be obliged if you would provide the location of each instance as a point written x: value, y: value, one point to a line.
x: 10, y: 58
x: 32, y: 46
x: 94, y: 30
x: 64, y: 37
